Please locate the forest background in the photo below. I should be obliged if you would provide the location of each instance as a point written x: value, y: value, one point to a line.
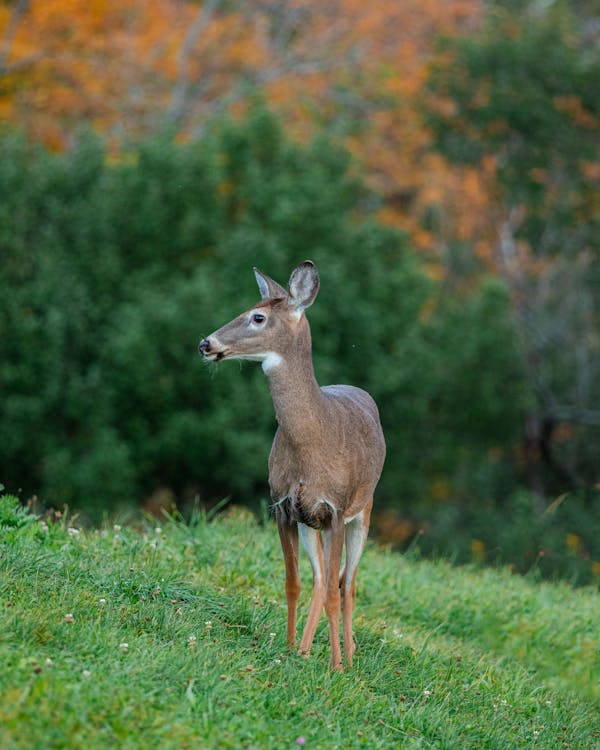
x: 439, y: 163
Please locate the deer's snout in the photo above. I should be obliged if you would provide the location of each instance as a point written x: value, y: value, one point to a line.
x: 212, y: 350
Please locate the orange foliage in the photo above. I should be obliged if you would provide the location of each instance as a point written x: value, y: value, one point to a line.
x: 75, y: 61
x: 130, y: 67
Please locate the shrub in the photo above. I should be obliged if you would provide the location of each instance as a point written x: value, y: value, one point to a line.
x: 113, y: 269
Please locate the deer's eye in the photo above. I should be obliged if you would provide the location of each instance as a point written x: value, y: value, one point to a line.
x: 258, y: 318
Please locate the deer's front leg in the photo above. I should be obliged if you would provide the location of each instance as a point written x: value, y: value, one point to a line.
x: 311, y: 541
x: 334, y: 542
x: 288, y: 534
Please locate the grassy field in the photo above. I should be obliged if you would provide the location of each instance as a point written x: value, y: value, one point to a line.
x: 173, y: 637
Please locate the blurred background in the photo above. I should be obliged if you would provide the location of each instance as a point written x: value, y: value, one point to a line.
x: 437, y: 159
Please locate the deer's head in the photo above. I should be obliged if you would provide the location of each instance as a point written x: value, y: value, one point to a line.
x: 268, y: 330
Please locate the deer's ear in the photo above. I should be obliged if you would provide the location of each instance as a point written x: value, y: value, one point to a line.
x: 303, y: 286
x: 268, y: 288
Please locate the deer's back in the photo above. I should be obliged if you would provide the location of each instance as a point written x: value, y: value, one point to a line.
x: 354, y: 401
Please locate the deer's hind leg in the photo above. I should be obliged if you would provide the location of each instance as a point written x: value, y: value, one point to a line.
x: 356, y: 535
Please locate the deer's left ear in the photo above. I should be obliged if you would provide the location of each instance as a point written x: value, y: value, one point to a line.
x: 267, y: 287
x: 303, y: 286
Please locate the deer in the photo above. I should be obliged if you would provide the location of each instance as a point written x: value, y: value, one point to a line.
x: 326, y: 458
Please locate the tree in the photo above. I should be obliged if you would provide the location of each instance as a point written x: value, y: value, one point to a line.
x: 519, y: 102
x: 132, y: 68
x: 112, y: 271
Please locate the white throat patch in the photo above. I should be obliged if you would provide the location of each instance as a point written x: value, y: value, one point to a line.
x: 271, y: 360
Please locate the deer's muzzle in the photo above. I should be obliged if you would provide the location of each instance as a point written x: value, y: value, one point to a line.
x: 211, y: 350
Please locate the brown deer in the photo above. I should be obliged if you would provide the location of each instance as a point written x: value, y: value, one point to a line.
x: 326, y: 457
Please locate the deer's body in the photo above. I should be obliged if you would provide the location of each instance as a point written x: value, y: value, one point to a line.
x: 326, y: 458
x: 303, y: 485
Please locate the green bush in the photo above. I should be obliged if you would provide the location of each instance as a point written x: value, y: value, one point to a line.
x: 12, y: 514
x: 112, y: 270
x: 542, y: 539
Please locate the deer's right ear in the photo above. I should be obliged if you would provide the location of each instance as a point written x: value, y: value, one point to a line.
x: 268, y: 288
x: 304, y: 285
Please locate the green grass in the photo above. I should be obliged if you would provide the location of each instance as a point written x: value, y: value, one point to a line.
x: 446, y: 657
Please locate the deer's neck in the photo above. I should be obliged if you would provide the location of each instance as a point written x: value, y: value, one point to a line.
x: 296, y: 395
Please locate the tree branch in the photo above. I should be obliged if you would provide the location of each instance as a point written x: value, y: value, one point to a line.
x: 8, y: 39
x: 182, y: 85
x: 565, y: 413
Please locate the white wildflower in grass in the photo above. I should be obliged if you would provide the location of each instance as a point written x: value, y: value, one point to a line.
x: 72, y: 531
x: 124, y: 647
x: 43, y: 526
x: 277, y: 661
x: 208, y: 624
x: 192, y: 641
x: 158, y: 530
x: 101, y: 602
x: 86, y: 673
x: 272, y: 635
x: 69, y: 618
x: 48, y: 662
x: 116, y: 527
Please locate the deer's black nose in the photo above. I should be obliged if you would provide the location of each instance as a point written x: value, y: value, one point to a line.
x: 204, y: 346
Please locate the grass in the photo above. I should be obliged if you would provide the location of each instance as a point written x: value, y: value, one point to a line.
x: 173, y: 637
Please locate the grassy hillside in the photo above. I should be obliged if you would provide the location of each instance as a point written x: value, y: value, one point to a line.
x: 173, y: 637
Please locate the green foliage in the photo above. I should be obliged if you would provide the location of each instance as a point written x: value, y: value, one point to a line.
x: 112, y: 270
x: 535, y: 537
x: 175, y: 636
x: 12, y: 514
x: 478, y: 409
x: 520, y: 98
x: 525, y: 92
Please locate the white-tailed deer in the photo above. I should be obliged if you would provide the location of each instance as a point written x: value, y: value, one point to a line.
x: 326, y: 457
